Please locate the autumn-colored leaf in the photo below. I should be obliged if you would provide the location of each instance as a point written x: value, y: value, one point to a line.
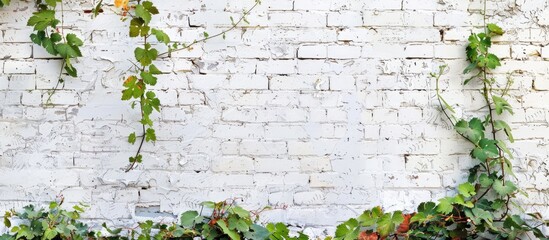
x: 404, y: 227
x: 368, y: 236
x: 121, y: 4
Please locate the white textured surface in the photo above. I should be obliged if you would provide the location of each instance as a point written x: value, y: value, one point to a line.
x: 320, y: 108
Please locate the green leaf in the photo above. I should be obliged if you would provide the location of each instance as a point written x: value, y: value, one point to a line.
x: 241, y: 212
x: 68, y: 51
x: 388, y: 222
x: 7, y: 221
x: 141, y: 12
x: 485, y: 180
x: 348, y: 230
x: 150, y: 135
x: 73, y: 40
x: 148, y: 78
x: 502, y: 105
x: 71, y: 70
x: 495, y: 29
x: 148, y: 5
x: 146, y: 56
x: 132, y: 138
x: 370, y: 217
x: 502, y: 125
x: 161, y: 36
x: 154, y: 70
x: 43, y: 19
x: 504, y: 189
x: 472, y: 130
x: 466, y: 189
x: 138, y: 28
x: 492, y: 61
x: 445, y: 205
x: 236, y: 223
x: 231, y: 233
x: 111, y: 231
x: 52, y: 3
x: 50, y: 233
x: 188, y: 218
x: 486, y: 149
x: 257, y: 232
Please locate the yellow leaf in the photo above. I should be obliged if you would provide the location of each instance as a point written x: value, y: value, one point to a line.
x: 121, y: 3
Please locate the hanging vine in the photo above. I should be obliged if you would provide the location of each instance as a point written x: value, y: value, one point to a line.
x: 136, y: 85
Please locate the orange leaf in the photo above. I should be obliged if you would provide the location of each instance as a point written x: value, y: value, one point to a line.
x: 121, y: 3
x: 368, y: 236
x: 404, y: 227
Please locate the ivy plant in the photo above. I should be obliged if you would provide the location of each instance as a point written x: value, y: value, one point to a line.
x: 137, y: 85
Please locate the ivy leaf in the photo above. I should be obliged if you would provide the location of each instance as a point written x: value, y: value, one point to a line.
x: 154, y: 70
x: 71, y: 70
x: 52, y: 3
x: 486, y: 149
x: 495, y: 29
x: 257, y: 232
x: 138, y: 28
x: 445, y: 205
x: 241, y: 212
x: 466, y: 189
x: 502, y: 125
x: 472, y: 130
x: 504, y: 189
x: 236, y: 223
x: 138, y: 159
x: 49, y: 45
x: 150, y: 135
x: 370, y: 217
x: 68, y: 51
x: 132, y: 138
x: 477, y: 215
x: 50, y: 233
x: 231, y: 233
x: 502, y: 105
x: 43, y: 19
x: 188, y: 218
x: 387, y: 224
x: 485, y: 180
x: 148, y: 78
x: 148, y: 5
x: 492, y: 61
x: 7, y: 221
x: 146, y: 56
x: 111, y: 231
x: 73, y: 40
x: 348, y: 230
x: 4, y: 3
x: 161, y: 36
x: 141, y: 12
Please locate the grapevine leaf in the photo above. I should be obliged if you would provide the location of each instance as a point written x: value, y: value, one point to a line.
x: 188, y: 218
x: 466, y: 189
x: 486, y: 149
x: 502, y: 105
x: 348, y: 230
x: 504, y: 189
x: 495, y: 29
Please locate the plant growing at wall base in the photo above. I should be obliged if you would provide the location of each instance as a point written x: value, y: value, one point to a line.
x: 482, y: 206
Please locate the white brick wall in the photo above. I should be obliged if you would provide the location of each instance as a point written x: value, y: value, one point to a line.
x: 323, y: 106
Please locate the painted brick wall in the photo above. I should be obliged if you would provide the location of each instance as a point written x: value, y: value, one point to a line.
x: 319, y: 108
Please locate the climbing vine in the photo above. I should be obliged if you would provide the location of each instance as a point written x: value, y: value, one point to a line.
x: 136, y: 85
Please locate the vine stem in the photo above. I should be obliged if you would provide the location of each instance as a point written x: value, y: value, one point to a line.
x: 234, y: 25
x: 59, y: 80
x: 142, y: 99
